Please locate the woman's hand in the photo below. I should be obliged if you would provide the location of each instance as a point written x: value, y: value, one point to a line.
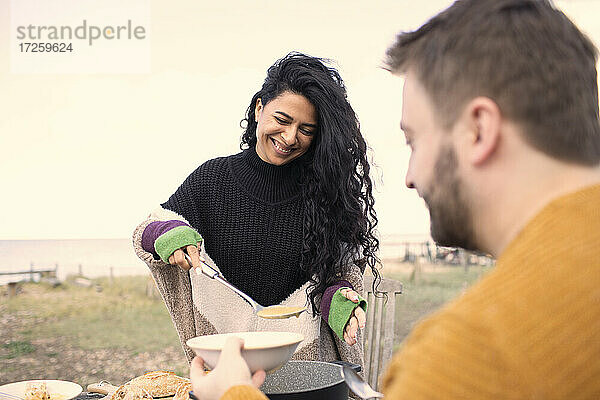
x: 178, y: 257
x: 231, y: 370
x: 357, y: 320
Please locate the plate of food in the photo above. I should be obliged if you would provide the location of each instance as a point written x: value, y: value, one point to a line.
x: 41, y: 389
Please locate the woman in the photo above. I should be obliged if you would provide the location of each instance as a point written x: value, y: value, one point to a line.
x: 289, y: 220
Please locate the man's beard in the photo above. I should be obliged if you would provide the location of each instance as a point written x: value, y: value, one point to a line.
x: 450, y: 215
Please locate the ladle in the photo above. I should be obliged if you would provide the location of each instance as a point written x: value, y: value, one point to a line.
x: 269, y: 312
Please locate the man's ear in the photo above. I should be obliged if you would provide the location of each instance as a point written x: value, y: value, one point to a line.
x: 484, y: 122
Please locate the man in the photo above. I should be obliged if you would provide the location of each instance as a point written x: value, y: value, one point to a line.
x: 500, y: 110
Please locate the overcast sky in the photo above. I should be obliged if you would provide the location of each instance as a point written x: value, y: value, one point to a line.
x: 89, y: 155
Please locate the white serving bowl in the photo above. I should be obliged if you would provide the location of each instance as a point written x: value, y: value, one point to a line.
x: 262, y: 350
x: 60, y: 390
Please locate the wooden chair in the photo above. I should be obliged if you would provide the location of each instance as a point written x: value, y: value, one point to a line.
x: 378, y: 335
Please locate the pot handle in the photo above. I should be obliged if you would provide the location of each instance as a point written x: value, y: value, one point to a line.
x: 355, y: 367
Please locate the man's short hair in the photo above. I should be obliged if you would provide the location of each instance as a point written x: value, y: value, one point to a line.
x: 525, y: 55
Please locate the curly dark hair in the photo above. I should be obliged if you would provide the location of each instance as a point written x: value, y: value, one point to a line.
x: 339, y: 218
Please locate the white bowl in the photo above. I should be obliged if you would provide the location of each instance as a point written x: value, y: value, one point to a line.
x: 262, y: 350
x: 59, y: 390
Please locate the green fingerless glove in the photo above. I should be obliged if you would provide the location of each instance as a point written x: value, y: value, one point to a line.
x: 341, y: 310
x: 174, y: 239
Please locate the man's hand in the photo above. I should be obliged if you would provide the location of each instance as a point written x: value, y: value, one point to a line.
x: 357, y: 320
x: 231, y: 370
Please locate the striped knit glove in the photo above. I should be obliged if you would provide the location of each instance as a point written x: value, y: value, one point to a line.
x: 336, y: 309
x: 162, y: 238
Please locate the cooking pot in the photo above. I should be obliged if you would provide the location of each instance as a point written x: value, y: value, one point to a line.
x: 308, y: 380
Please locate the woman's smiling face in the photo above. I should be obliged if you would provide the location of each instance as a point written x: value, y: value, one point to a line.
x: 285, y: 128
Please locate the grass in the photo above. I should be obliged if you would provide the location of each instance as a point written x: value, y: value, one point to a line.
x: 17, y: 349
x: 119, y: 316
x: 111, y: 330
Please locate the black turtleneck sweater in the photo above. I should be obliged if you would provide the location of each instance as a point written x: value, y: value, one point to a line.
x: 249, y: 214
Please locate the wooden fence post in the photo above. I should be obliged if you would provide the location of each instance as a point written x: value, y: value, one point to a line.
x: 12, y: 289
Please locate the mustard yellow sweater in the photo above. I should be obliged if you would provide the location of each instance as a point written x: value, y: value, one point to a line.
x: 529, y: 330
